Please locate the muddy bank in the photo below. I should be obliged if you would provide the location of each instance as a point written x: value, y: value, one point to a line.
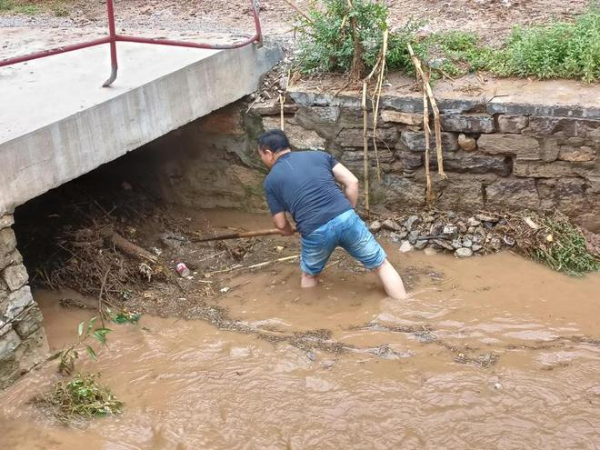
x: 487, y: 345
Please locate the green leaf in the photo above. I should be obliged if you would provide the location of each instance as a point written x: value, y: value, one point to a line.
x: 91, y: 352
x: 80, y: 329
x: 100, y: 335
x: 91, y: 324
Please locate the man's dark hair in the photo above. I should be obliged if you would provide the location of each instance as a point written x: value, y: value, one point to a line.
x: 274, y: 140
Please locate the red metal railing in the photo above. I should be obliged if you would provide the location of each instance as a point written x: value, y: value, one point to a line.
x: 113, y: 38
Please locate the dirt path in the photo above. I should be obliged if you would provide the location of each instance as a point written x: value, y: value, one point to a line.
x: 493, y: 19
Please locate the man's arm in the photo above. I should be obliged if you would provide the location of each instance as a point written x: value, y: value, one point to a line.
x: 282, y: 224
x: 347, y: 179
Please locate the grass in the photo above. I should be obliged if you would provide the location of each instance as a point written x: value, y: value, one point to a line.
x: 58, y: 8
x: 83, y: 397
x: 554, y: 50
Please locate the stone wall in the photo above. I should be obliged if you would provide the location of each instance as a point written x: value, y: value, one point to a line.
x: 497, y: 155
x: 22, y: 338
x: 500, y: 156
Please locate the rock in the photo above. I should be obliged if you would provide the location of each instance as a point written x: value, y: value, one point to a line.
x: 8, y: 240
x: 473, y: 163
x: 436, y: 228
x: 473, y: 222
x: 421, y: 244
x: 470, y: 123
x: 10, y: 258
x: 428, y: 218
x: 430, y: 251
x: 402, y: 117
x: 353, y: 137
x: 468, y: 243
x: 403, y: 192
x: 299, y: 137
x: 456, y: 244
x: 413, y: 236
x: 30, y: 322
x: 573, y: 154
x: 495, y: 243
x: 478, y: 238
x: 406, y: 247
x: 467, y: 143
x: 569, y: 127
x: 463, y: 252
x: 412, y: 221
x: 8, y: 344
x: 16, y: 302
x: 415, y: 141
x: 523, y: 147
x: 512, y: 124
x: 390, y: 225
x: 511, y: 193
x: 443, y: 244
x: 476, y: 247
x: 462, y: 227
x: 559, y: 169
x: 15, y: 276
x: 375, y: 226
x: 509, y: 241
x: 450, y: 230
x: 6, y: 221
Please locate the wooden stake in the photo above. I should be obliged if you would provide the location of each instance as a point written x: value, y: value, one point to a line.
x: 297, y: 8
x: 379, y: 86
x: 365, y: 148
x: 436, y: 111
x: 281, y: 103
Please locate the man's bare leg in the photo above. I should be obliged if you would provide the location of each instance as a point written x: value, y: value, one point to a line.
x: 309, y: 281
x: 392, y: 283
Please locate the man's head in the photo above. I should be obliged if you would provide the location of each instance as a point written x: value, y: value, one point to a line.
x: 270, y: 144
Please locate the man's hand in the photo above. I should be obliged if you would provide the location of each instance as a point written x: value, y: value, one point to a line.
x: 282, y: 224
x: 347, y: 179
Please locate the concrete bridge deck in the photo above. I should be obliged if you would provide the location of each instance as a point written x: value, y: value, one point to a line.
x: 57, y: 122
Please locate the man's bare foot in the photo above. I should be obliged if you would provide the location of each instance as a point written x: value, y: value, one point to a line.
x: 309, y: 281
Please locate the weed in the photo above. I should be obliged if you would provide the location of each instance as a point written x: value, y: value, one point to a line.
x: 60, y: 10
x: 83, y: 397
x: 564, y: 249
x: 555, y: 50
x: 71, y: 354
x: 6, y: 5
x: 126, y: 317
x: 29, y: 10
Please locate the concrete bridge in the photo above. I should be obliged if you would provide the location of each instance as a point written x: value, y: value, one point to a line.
x: 57, y: 123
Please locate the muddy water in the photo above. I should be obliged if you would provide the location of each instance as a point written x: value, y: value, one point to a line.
x: 491, y: 353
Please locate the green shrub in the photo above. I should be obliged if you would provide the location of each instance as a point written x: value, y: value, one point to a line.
x: 325, y: 41
x: 556, y: 50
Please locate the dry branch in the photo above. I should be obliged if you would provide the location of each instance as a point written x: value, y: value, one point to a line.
x: 434, y: 107
x: 129, y: 248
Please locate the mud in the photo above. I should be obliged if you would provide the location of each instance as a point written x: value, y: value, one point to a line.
x: 494, y: 352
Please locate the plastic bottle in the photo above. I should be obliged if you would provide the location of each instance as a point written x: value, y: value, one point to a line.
x: 182, y: 269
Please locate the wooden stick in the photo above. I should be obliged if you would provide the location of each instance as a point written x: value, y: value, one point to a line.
x: 245, y: 234
x: 428, y: 192
x: 378, y: 88
x: 365, y: 148
x: 297, y: 8
x: 129, y: 248
x: 436, y: 111
x: 281, y: 102
x: 253, y: 266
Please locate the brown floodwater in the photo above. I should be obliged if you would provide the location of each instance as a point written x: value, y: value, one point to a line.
x: 491, y: 353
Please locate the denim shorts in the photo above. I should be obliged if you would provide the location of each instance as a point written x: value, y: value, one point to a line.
x: 347, y: 231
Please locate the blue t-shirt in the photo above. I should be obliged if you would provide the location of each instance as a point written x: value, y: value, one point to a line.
x: 302, y: 184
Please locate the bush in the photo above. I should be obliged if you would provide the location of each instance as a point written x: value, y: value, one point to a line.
x: 557, y: 50
x: 325, y: 41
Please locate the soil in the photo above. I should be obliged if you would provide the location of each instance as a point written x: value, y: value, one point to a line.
x: 492, y: 19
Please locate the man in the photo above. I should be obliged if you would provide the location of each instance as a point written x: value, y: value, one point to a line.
x: 304, y: 184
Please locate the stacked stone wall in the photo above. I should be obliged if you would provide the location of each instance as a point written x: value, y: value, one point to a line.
x: 497, y: 155
x: 22, y: 338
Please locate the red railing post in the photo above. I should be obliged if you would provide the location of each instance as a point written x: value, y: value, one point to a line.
x: 113, y: 43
